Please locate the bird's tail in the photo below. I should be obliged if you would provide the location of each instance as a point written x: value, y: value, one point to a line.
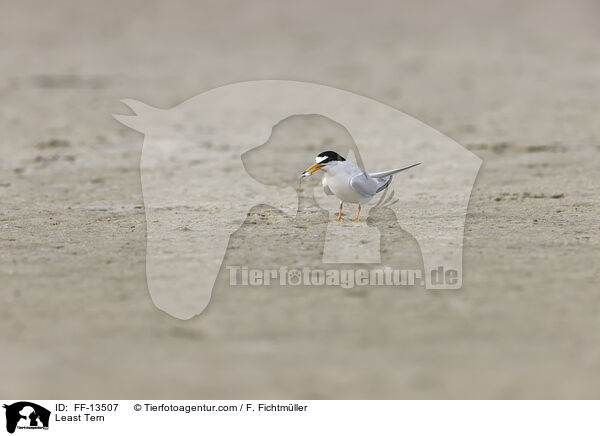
x: 390, y: 172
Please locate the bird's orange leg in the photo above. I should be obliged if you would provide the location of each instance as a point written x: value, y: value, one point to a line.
x: 339, y: 218
x: 357, y: 214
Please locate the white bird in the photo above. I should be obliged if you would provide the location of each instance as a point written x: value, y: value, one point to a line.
x: 348, y: 182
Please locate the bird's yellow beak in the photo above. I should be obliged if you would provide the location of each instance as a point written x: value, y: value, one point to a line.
x: 313, y: 168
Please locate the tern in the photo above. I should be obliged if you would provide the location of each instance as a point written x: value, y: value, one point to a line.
x: 348, y: 182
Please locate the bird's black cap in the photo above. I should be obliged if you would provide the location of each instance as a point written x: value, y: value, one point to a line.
x: 328, y: 156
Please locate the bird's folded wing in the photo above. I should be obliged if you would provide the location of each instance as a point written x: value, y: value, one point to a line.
x: 390, y: 172
x: 368, y: 186
x: 383, y: 183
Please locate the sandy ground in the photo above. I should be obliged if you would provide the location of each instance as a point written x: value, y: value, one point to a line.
x: 518, y: 84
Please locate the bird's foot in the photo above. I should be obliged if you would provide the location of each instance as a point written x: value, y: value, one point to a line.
x: 355, y: 219
x: 338, y: 219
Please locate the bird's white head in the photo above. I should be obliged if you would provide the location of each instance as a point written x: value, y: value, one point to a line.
x: 323, y: 160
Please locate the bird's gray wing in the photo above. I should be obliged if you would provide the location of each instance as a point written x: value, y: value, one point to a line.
x: 384, y: 182
x: 326, y: 186
x: 371, y: 184
x: 368, y: 186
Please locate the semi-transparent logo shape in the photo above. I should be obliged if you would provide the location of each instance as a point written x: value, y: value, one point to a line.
x: 205, y: 165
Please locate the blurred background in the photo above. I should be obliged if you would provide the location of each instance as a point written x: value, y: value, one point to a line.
x: 518, y: 83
